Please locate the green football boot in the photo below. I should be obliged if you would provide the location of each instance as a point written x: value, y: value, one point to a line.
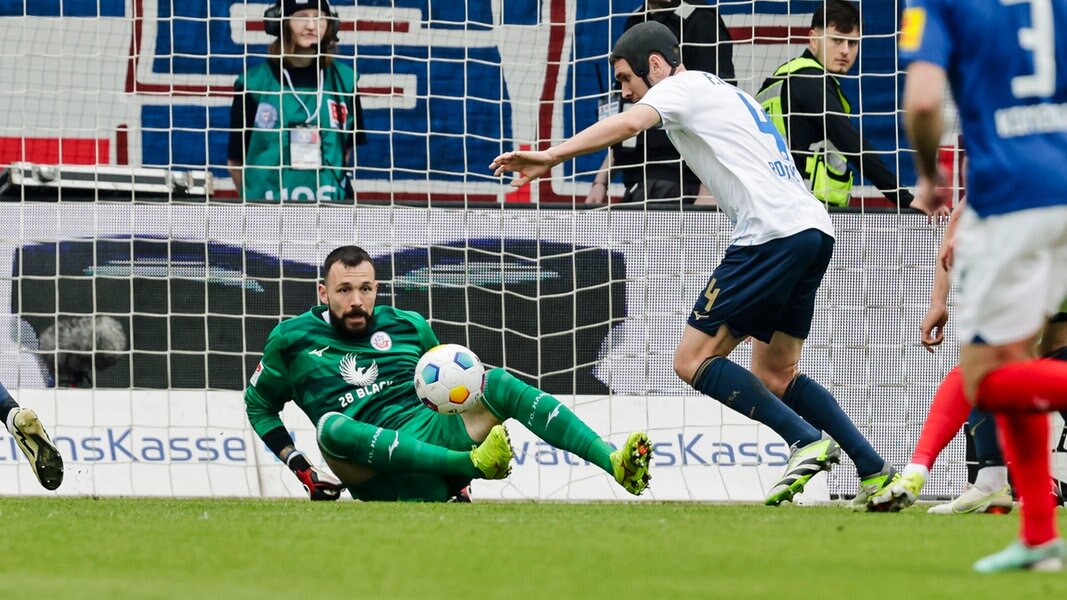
x: 872, y: 486
x: 899, y: 494
x: 630, y: 463
x: 493, y: 456
x: 803, y: 464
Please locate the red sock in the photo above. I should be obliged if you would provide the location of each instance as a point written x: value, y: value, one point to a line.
x: 1025, y: 440
x: 1028, y: 386
x: 948, y: 412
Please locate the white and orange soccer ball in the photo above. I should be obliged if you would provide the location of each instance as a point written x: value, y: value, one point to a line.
x: 449, y: 378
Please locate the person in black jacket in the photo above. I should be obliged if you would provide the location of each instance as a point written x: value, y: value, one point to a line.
x: 650, y: 167
x: 806, y: 103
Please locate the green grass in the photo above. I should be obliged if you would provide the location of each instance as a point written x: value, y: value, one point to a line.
x: 229, y: 549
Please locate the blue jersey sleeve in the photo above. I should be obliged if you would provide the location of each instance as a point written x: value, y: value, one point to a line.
x: 924, y: 35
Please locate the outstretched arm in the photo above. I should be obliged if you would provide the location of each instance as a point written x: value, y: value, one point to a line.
x: 932, y: 327
x: 933, y: 324
x: 267, y: 392
x: 924, y: 92
x: 531, y: 165
x: 264, y: 417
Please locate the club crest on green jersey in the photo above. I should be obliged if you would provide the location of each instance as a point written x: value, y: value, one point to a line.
x: 381, y: 341
x: 356, y: 375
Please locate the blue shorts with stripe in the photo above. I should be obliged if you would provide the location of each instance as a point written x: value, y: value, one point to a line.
x: 757, y: 290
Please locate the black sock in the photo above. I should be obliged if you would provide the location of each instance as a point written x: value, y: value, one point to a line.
x: 817, y: 406
x: 740, y: 390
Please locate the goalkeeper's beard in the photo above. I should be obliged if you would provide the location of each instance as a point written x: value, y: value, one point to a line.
x: 341, y: 327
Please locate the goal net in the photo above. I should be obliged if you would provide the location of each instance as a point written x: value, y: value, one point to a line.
x: 133, y: 317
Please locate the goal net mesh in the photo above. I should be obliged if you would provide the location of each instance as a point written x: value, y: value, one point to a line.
x: 134, y: 321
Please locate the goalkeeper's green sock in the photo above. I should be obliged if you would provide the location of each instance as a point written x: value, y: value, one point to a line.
x: 389, y: 450
x: 506, y: 396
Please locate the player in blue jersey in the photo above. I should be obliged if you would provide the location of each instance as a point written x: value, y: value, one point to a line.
x: 1009, y: 78
x: 29, y: 434
x: 765, y: 286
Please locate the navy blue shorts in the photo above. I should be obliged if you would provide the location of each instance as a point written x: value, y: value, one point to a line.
x: 757, y: 290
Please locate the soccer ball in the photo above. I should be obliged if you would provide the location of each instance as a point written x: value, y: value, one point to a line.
x: 449, y: 379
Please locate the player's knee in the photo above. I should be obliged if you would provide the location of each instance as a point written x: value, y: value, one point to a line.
x: 685, y: 368
x: 325, y: 433
x: 502, y: 394
x: 972, y: 384
x: 341, y: 437
x: 494, y: 378
x: 970, y: 391
x: 776, y: 380
x: 498, y: 384
x: 680, y: 370
x: 777, y: 386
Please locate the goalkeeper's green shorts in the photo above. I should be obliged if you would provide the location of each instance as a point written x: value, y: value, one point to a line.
x: 433, y: 428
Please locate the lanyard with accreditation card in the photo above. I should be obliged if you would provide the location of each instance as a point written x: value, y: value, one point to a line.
x: 305, y: 151
x: 305, y: 147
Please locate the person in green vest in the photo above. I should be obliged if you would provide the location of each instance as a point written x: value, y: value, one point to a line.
x: 349, y: 365
x: 807, y: 105
x: 296, y: 117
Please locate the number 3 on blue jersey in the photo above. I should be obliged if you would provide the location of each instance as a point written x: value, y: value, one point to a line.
x: 1039, y: 39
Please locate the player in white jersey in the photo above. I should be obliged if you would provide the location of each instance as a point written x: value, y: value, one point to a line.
x: 765, y: 286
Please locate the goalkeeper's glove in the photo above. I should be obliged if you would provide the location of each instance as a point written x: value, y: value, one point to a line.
x: 319, y: 485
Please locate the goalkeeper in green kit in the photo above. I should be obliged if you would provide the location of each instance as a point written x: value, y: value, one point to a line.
x: 350, y: 367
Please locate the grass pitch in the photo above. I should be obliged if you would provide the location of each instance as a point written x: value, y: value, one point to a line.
x: 229, y: 549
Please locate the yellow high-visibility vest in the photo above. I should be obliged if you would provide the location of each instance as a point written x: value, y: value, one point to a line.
x: 826, y: 169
